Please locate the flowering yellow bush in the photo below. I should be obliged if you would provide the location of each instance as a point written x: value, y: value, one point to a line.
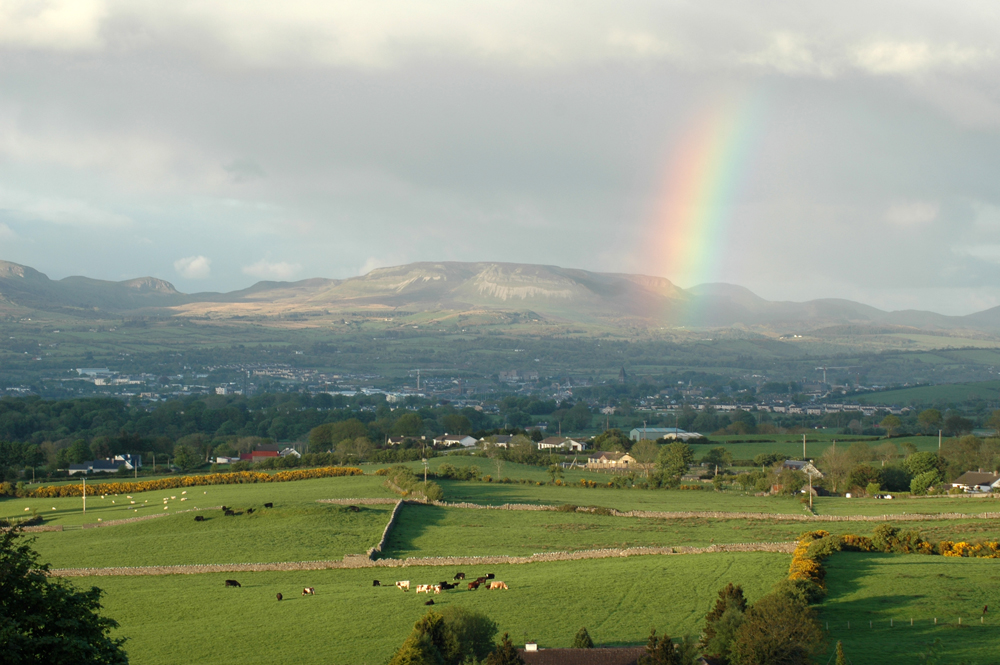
x: 854, y: 543
x: 236, y: 478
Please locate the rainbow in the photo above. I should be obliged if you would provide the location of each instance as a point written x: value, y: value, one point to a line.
x: 706, y: 168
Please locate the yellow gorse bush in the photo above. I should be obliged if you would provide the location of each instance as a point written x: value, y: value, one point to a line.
x: 235, y: 478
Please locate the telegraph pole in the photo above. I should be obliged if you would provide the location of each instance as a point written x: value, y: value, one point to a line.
x: 85, y: 494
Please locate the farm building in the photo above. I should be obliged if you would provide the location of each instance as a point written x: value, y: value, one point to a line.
x: 463, y: 440
x: 805, y: 467
x: 562, y: 442
x: 977, y: 481
x: 607, y: 460
x: 129, y: 462
x: 499, y: 440
x: 654, y: 433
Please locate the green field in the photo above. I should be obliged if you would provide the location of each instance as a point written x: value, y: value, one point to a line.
x: 939, y: 394
x: 880, y: 588
x: 838, y: 505
x: 195, y: 619
x: 790, y: 445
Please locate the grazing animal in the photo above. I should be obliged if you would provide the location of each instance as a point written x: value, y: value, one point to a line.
x: 498, y: 585
x: 376, y: 583
x: 985, y: 607
x: 199, y: 518
x: 429, y: 602
x: 224, y: 509
x: 436, y: 588
x: 232, y: 583
x: 269, y: 505
x: 229, y: 513
x: 459, y: 576
x: 474, y: 585
x: 481, y: 580
x: 404, y: 585
x: 309, y: 591
x: 249, y: 511
x: 424, y: 588
x: 354, y: 509
x: 279, y: 596
x: 490, y: 576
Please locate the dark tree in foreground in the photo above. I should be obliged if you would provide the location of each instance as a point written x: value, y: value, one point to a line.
x: 45, y: 619
x: 453, y: 636
x: 722, y: 623
x: 660, y: 651
x: 505, y: 653
x: 779, y: 629
x: 582, y: 640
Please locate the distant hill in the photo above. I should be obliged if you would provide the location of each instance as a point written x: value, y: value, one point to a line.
x: 521, y: 291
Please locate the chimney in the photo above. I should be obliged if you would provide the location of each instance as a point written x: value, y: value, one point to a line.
x: 531, y: 646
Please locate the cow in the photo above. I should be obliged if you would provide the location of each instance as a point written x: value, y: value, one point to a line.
x: 497, y: 585
x: 474, y: 585
x: 424, y: 588
x: 445, y: 586
x: 436, y: 588
x: 459, y: 576
x: 232, y: 583
x: 224, y: 509
x: 429, y: 602
x: 404, y: 585
x: 354, y: 509
x: 376, y: 583
x: 480, y: 579
x: 490, y: 576
x: 249, y: 511
x: 199, y: 518
x: 229, y: 513
x: 279, y: 596
x: 309, y: 591
x: 269, y: 505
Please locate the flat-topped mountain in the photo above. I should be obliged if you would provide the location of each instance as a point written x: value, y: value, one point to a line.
x: 524, y: 291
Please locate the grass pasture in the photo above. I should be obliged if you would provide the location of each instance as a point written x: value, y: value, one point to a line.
x: 882, y: 588
x: 195, y: 619
x: 749, y: 446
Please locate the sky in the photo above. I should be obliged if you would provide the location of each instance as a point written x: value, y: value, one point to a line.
x: 802, y: 150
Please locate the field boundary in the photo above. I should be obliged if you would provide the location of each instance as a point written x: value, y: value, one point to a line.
x: 788, y: 517
x: 356, y: 562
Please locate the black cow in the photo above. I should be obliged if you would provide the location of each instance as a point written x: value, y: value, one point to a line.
x: 376, y: 583
x: 229, y: 513
x: 429, y: 602
x: 490, y: 576
x: 354, y: 509
x: 460, y: 576
x: 232, y: 583
x: 199, y: 518
x: 249, y: 511
x: 269, y: 505
x: 480, y: 580
x: 279, y: 596
x: 224, y: 509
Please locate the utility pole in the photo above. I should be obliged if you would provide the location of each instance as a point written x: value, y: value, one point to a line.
x: 85, y: 494
x: 803, y: 446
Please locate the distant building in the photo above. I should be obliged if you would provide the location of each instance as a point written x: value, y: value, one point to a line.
x: 977, y: 481
x: 258, y: 455
x: 612, y: 460
x: 532, y: 655
x: 498, y: 440
x: 463, y: 440
x: 654, y: 433
x: 562, y: 442
x: 805, y: 467
x: 97, y: 466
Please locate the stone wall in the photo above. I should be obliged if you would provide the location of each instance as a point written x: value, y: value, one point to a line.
x: 374, y: 552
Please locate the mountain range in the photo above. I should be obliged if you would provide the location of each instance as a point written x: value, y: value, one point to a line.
x: 515, y: 292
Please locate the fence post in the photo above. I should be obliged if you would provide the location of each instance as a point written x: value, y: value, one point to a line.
x: 935, y: 621
x: 959, y: 621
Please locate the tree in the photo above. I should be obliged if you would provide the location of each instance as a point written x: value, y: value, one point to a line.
x: 645, y: 452
x: 582, y: 640
x: 327, y: 435
x: 841, y: 658
x: 779, y: 629
x: 862, y: 475
x: 456, y: 423
x: 450, y: 637
x: 723, y: 621
x: 890, y: 424
x: 836, y: 464
x: 496, y: 454
x: 612, y: 439
x: 660, y: 651
x: 185, y: 457
x: 886, y: 452
x: 409, y: 424
x: 955, y: 425
x: 505, y: 654
x: 555, y: 471
x: 922, y: 462
x: 675, y: 458
x: 718, y: 457
x: 860, y: 452
x: 922, y: 481
x: 929, y: 419
x: 45, y: 619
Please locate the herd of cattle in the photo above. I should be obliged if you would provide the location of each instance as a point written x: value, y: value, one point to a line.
x: 308, y: 591
x: 230, y: 512
x: 487, y: 582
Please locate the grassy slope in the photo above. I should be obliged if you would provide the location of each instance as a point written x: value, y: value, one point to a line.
x: 68, y: 510
x: 298, y: 533
x: 793, y: 448
x: 878, y: 587
x: 194, y: 619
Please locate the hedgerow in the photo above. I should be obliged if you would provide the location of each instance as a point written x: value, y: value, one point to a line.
x: 236, y: 478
